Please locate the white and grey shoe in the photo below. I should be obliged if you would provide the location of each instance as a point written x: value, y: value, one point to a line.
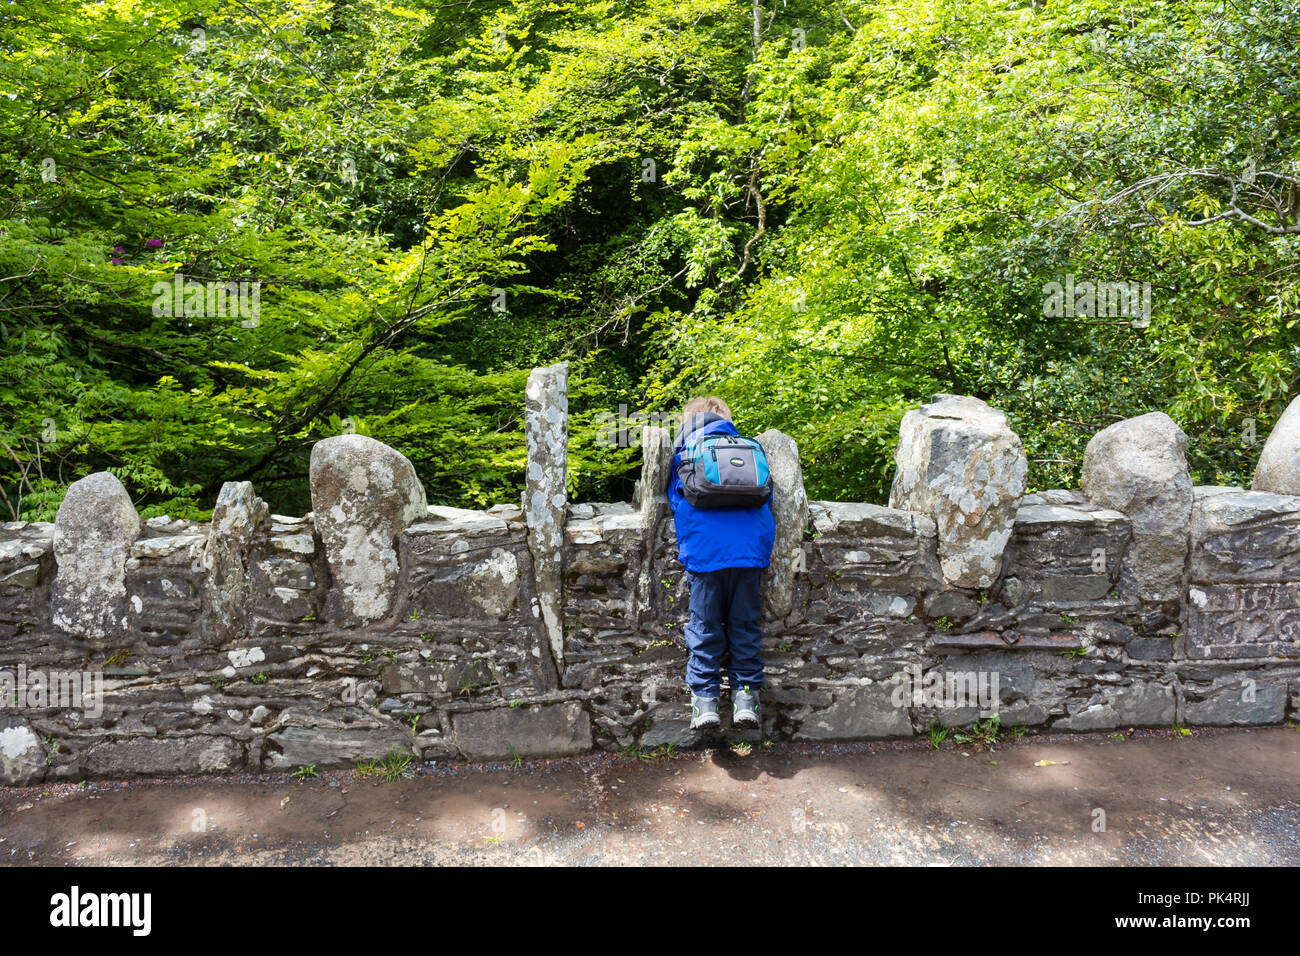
x: 744, y: 707
x: 704, y: 712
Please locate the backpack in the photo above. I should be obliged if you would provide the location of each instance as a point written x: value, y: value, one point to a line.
x: 724, y: 471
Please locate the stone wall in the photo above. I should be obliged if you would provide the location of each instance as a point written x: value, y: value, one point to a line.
x: 378, y: 623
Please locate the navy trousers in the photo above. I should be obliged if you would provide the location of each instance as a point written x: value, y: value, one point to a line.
x: 726, y: 607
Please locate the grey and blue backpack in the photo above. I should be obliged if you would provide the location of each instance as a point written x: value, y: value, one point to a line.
x: 724, y: 471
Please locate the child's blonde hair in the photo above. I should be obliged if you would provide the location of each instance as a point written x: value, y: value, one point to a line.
x: 711, y: 404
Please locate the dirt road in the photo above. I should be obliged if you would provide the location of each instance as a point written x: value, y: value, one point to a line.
x: 1217, y: 797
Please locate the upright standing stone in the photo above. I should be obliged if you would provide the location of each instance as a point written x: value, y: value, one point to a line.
x: 237, y: 519
x: 1139, y: 467
x: 652, y: 500
x: 93, y: 532
x: 960, y: 462
x: 656, y: 459
x: 790, y: 510
x: 546, y: 432
x: 1278, y: 470
x: 363, y: 494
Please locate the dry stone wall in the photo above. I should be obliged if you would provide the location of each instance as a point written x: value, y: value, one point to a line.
x: 380, y: 624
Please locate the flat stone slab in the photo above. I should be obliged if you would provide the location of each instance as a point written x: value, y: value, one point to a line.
x: 545, y: 730
x: 26, y: 548
x: 486, y: 586
x: 326, y: 747
x: 588, y: 510
x: 1067, y: 515
x: 164, y: 756
x: 1244, y: 536
x: 1239, y: 704
x: 1056, y: 496
x: 163, y: 546
x: 1075, y: 588
x: 1008, y: 640
x: 304, y: 544
x: 444, y: 520
x: 867, y: 520
x: 1221, y: 509
x: 861, y: 712
x: 1145, y: 704
x: 598, y: 527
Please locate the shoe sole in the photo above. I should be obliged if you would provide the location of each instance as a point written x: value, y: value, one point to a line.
x: 706, y: 724
x: 745, y: 720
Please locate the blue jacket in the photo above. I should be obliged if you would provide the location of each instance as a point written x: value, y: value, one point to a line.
x: 709, y: 539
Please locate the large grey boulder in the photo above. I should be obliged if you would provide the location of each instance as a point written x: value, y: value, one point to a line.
x: 238, y: 517
x: 1278, y: 470
x: 790, y: 511
x: 93, y: 532
x: 959, y: 462
x: 1139, y: 467
x: 546, y: 432
x: 363, y: 494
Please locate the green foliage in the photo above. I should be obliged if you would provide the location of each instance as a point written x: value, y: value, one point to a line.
x: 394, y: 766
x: 948, y: 161
x: 824, y: 210
x: 983, y: 734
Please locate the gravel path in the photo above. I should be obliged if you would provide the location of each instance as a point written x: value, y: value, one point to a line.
x: 1216, y: 797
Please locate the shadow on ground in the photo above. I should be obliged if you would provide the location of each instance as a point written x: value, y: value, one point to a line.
x: 1145, y: 798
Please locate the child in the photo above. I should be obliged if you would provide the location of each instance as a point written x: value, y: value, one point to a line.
x: 724, y: 551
